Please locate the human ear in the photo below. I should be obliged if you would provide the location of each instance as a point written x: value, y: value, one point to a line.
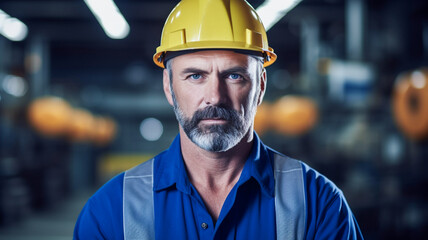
x: 167, y: 87
x: 262, y: 86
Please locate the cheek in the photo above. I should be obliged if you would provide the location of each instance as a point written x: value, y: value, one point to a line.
x: 187, y: 100
x: 247, y: 100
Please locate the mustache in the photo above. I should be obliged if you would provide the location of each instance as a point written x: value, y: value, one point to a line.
x: 215, y: 112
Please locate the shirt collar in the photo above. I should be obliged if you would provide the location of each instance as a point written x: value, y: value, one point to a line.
x: 170, y: 169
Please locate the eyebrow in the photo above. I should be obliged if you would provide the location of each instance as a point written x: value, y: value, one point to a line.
x: 193, y: 70
x: 240, y: 70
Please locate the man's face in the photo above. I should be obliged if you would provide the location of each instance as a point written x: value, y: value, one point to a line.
x: 215, y: 96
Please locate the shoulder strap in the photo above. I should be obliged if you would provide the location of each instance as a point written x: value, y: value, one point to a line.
x: 290, y: 205
x: 138, y: 208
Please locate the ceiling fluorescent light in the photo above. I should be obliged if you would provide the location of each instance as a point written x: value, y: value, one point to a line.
x: 109, y: 17
x: 271, y: 11
x: 12, y: 28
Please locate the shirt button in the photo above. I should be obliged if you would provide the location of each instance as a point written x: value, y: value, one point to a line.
x: 204, y: 226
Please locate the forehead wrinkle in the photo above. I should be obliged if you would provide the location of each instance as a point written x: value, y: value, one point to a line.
x: 219, y: 67
x: 214, y: 56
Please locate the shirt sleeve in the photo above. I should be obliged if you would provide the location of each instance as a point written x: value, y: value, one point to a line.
x: 101, y: 217
x: 328, y: 214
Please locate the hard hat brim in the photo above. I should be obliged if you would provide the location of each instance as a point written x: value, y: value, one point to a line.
x: 159, y: 56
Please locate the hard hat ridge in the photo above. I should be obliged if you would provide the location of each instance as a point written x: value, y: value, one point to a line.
x: 210, y: 10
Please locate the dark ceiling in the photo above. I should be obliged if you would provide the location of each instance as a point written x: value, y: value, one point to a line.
x: 78, y: 44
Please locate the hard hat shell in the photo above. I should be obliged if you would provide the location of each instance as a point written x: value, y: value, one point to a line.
x: 214, y: 24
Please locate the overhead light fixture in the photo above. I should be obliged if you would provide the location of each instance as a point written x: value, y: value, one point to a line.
x: 109, y: 17
x: 12, y: 28
x: 271, y: 11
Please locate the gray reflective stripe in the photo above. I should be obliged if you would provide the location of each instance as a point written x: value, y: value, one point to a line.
x: 138, y: 210
x: 290, y: 204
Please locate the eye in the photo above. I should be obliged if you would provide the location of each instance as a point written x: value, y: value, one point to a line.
x: 235, y: 76
x: 195, y: 76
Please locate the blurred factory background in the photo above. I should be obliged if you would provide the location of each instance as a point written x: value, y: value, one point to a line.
x: 348, y: 95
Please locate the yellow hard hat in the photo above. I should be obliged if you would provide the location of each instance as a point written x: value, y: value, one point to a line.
x: 214, y: 24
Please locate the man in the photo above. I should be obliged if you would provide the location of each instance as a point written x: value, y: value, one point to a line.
x: 217, y: 180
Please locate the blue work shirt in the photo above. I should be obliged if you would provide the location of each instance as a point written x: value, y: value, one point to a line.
x: 247, y: 213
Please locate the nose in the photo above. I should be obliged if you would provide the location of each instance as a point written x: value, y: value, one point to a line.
x: 215, y: 91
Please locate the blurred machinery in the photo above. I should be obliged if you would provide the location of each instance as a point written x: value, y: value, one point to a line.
x: 410, y: 103
x: 54, y: 117
x: 289, y: 115
x: 262, y: 118
x: 50, y: 115
x: 293, y: 115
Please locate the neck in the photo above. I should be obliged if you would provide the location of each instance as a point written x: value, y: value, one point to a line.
x: 215, y: 170
x: 214, y: 174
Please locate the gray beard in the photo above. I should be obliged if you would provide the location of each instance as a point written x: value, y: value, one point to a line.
x: 216, y: 137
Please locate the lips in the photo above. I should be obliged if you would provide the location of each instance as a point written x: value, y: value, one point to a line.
x: 215, y: 118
